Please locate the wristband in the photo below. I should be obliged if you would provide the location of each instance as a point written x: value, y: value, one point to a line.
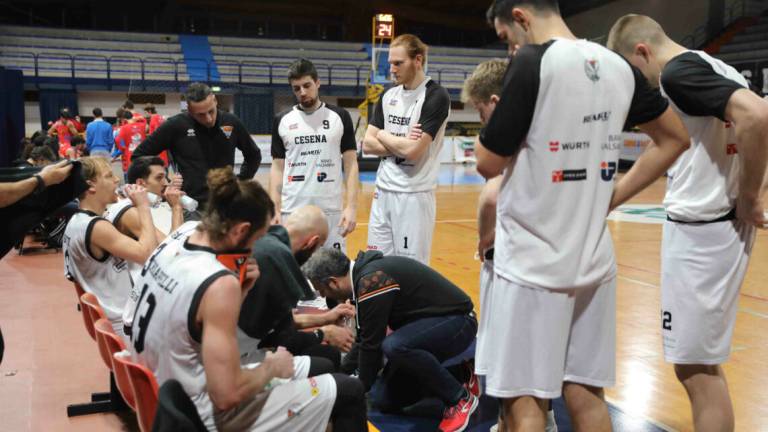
x: 40, y: 184
x: 320, y: 334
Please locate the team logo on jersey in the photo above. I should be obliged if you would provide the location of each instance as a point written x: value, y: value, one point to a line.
x: 190, y: 132
x: 296, y: 178
x: 310, y: 139
x: 392, y: 102
x: 397, y: 120
x: 293, y: 126
x: 607, y: 170
x: 591, y: 68
x: 730, y: 149
x: 322, y: 177
x: 560, y: 176
x: 227, y: 131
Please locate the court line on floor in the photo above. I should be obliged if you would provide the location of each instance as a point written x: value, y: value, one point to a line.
x: 656, y: 423
x: 451, y: 221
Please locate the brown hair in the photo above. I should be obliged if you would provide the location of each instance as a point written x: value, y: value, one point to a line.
x: 412, y: 44
x: 630, y: 30
x: 231, y: 201
x: 91, y: 167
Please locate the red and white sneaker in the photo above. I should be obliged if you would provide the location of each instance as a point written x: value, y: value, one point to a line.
x: 473, y: 384
x: 456, y: 418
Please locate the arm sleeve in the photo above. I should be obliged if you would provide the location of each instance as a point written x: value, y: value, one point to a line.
x: 278, y: 146
x: 434, y: 112
x: 693, y: 85
x: 378, y: 113
x: 162, y: 139
x: 373, y: 317
x: 509, y: 124
x: 251, y: 152
x: 348, y: 141
x: 647, y: 102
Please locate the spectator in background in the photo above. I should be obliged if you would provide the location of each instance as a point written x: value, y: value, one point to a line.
x: 99, y: 138
x: 132, y: 132
x: 26, y: 148
x: 78, y: 124
x: 64, y: 129
x: 128, y: 106
x: 78, y: 145
x: 41, y: 156
x: 155, y: 119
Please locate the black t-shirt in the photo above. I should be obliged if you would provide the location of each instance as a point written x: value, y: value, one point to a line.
x: 196, y: 149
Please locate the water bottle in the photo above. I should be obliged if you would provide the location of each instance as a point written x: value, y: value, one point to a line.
x: 188, y: 203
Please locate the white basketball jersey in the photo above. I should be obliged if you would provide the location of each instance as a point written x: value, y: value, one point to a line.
x: 703, y: 184
x: 107, y: 278
x: 560, y: 119
x: 165, y: 335
x: 397, y: 111
x: 312, y: 145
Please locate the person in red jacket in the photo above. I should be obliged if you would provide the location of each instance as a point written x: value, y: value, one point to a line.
x: 155, y: 119
x: 131, y: 134
x: 64, y: 129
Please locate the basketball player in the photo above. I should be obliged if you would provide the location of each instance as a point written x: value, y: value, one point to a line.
x: 187, y: 322
x: 407, y: 132
x: 96, y: 253
x: 314, y: 138
x: 713, y: 204
x: 555, y: 137
x: 131, y: 134
x: 64, y: 129
x: 482, y: 90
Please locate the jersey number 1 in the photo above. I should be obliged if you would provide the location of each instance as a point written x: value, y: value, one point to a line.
x: 405, y: 242
x: 144, y: 323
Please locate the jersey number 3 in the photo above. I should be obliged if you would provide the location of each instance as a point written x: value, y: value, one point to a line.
x: 144, y: 323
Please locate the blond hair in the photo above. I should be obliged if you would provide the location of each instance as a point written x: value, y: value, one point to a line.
x: 412, y: 44
x: 486, y: 80
x: 91, y: 167
x: 631, y: 30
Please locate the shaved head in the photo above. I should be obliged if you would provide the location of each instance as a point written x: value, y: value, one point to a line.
x: 307, y: 221
x: 631, y: 30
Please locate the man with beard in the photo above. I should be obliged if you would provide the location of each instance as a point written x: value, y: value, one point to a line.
x: 314, y: 139
x: 267, y: 318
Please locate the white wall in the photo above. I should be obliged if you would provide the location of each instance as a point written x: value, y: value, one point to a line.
x: 678, y: 17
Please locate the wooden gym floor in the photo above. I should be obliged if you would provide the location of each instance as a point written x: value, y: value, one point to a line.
x: 50, y: 361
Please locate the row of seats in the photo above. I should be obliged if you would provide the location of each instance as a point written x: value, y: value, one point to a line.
x: 132, y: 384
x: 750, y: 45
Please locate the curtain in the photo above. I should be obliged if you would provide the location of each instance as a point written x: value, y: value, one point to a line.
x: 11, y: 114
x: 256, y: 111
x: 51, y: 101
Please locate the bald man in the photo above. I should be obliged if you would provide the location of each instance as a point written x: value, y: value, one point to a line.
x: 713, y: 205
x: 266, y: 317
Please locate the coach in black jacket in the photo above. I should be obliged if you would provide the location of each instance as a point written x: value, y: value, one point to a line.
x: 432, y: 318
x: 201, y: 139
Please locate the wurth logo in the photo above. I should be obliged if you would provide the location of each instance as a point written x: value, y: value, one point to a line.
x: 730, y: 149
x: 607, y: 170
x: 554, y: 146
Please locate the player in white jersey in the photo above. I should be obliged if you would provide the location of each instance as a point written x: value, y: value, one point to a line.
x: 186, y: 324
x: 407, y: 131
x: 96, y: 253
x: 482, y: 90
x: 310, y: 142
x: 555, y: 137
x: 148, y: 172
x: 713, y: 205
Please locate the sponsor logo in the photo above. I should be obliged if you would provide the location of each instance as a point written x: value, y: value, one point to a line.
x: 607, y: 170
x: 322, y: 177
x: 612, y: 145
x: 190, y: 132
x: 119, y: 265
x: 296, y: 164
x: 555, y: 146
x: 397, y: 120
x: 310, y: 153
x: 599, y: 117
x: 293, y: 126
x: 373, y: 247
x: 326, y: 163
x: 295, y: 178
x: 591, y: 68
x: 731, y: 149
x: 392, y: 102
x: 227, y: 131
x: 568, y: 175
x: 310, y: 139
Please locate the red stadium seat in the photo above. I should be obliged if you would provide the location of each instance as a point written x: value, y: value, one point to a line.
x: 109, y: 344
x: 144, y: 387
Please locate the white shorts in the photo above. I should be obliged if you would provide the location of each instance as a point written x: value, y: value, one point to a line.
x: 535, y: 339
x: 299, y: 405
x: 486, y: 283
x: 402, y: 224
x: 335, y: 239
x: 702, y: 268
